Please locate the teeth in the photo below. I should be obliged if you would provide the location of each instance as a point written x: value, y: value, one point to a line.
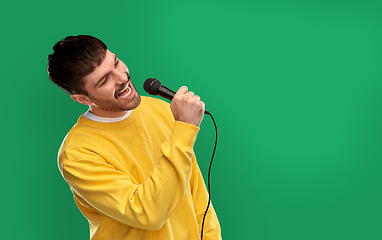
x: 128, y: 92
x: 127, y: 85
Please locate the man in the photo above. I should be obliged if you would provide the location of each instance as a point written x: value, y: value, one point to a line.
x: 129, y: 160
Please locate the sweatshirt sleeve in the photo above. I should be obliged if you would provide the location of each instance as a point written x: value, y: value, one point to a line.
x: 100, y: 187
x: 212, y: 230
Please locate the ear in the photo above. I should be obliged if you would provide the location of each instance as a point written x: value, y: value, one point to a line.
x: 81, y: 98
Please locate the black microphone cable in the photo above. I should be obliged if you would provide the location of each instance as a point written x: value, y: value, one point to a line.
x: 209, y: 172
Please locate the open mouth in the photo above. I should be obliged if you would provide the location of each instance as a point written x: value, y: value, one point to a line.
x: 126, y: 91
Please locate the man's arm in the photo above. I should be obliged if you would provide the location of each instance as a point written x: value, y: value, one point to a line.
x: 100, y: 187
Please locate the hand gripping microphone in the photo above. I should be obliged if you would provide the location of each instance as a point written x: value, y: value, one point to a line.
x: 153, y: 87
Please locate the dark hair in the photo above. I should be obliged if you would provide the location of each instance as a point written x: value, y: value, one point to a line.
x: 74, y: 58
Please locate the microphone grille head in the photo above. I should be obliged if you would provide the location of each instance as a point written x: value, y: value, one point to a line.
x: 151, y: 86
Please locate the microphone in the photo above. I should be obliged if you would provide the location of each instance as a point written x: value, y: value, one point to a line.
x: 153, y: 87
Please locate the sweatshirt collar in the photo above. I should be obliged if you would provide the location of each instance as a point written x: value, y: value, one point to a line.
x: 91, y: 116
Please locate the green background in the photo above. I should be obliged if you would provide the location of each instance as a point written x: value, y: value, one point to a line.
x: 294, y: 87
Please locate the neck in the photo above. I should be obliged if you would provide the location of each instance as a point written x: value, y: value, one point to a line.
x: 102, y: 113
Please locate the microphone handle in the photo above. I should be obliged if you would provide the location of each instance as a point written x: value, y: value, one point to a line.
x: 166, y: 93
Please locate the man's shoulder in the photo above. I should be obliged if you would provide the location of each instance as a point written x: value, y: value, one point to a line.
x: 155, y: 104
x: 156, y: 110
x: 154, y: 101
x: 78, y: 133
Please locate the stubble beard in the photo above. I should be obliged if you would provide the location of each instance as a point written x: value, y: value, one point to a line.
x: 113, y: 106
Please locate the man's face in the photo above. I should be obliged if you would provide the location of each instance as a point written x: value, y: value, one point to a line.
x: 110, y: 90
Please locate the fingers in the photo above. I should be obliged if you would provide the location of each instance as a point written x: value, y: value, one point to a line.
x: 187, y: 107
x: 183, y: 92
x: 196, y: 97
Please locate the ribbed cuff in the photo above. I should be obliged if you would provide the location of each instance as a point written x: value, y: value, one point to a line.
x: 184, y: 135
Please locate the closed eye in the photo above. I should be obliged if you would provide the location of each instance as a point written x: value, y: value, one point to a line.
x: 102, y: 81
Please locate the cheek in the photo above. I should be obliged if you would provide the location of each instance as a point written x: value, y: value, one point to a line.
x: 106, y: 92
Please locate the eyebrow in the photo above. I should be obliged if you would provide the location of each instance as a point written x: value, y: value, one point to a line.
x: 115, y: 61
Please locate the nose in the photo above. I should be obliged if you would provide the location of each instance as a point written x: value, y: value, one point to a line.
x: 121, y: 77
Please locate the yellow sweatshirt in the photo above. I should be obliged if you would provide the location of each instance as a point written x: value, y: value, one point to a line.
x: 138, y: 178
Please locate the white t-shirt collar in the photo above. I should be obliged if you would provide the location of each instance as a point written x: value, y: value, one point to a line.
x: 96, y: 118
